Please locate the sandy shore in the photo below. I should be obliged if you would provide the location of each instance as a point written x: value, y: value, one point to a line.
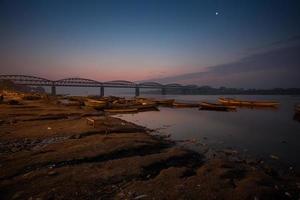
x: 49, y: 151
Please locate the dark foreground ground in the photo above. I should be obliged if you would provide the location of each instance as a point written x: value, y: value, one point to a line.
x: 48, y: 151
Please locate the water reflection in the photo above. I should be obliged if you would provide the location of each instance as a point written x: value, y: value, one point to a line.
x: 259, y: 131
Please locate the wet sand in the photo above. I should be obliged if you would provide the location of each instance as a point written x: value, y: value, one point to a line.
x: 49, y: 151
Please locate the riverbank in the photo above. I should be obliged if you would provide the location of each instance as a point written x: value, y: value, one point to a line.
x: 50, y: 151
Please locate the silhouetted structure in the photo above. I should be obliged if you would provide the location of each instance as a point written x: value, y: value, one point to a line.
x: 82, y: 82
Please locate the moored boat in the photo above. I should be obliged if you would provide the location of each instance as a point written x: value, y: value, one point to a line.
x: 165, y: 102
x: 236, y: 102
x: 129, y: 110
x: 67, y: 102
x: 145, y: 101
x: 215, y: 107
x: 185, y: 105
x: 95, y: 103
x: 144, y: 106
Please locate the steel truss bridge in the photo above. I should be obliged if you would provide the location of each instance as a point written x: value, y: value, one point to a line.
x: 83, y: 82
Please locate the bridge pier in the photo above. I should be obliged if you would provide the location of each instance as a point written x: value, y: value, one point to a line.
x: 102, y: 91
x: 137, y: 91
x: 163, y: 91
x: 53, y: 90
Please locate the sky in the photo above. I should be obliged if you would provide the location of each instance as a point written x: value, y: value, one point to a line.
x: 153, y: 40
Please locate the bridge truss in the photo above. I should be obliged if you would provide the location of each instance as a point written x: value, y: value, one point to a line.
x: 83, y: 82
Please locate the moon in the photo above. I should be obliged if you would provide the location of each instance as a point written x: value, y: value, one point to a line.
x: 217, y: 13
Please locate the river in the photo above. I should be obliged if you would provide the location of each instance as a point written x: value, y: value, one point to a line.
x: 258, y: 132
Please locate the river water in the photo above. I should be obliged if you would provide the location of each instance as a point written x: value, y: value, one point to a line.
x: 259, y: 132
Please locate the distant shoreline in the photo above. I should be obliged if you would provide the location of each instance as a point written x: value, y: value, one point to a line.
x: 227, y: 91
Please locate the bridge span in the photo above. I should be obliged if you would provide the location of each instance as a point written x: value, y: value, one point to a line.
x: 83, y: 82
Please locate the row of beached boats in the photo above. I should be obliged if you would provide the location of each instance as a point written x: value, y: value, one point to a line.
x: 230, y: 104
x: 235, y: 102
x: 113, y: 104
x: 120, y: 105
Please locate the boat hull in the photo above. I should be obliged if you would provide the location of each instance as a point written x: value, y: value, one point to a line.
x: 235, y: 102
x: 185, y: 105
x: 95, y: 104
x: 216, y: 107
x: 165, y: 102
x: 132, y: 110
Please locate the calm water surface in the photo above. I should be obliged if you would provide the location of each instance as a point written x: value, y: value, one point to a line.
x: 259, y: 132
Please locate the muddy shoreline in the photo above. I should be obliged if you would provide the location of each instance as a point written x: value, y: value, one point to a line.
x: 49, y: 151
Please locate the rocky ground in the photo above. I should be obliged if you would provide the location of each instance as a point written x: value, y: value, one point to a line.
x: 49, y: 151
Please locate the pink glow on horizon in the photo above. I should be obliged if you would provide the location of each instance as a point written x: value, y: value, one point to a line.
x: 101, y: 68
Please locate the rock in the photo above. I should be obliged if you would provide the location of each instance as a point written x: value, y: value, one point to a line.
x: 15, y: 149
x: 78, y: 136
x: 287, y: 194
x: 27, y: 174
x: 274, y: 157
x: 141, y: 196
x: 13, y: 102
x: 229, y: 151
x: 262, y: 162
x: 52, y: 166
x: 52, y: 173
x: 17, y: 195
x: 251, y: 161
x: 12, y: 121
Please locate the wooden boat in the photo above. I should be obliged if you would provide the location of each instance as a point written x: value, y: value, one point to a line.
x: 121, y: 105
x: 129, y: 110
x: 165, y: 102
x: 235, y: 102
x: 216, y: 107
x: 95, y: 103
x: 144, y: 106
x: 185, y: 105
x: 67, y: 102
x: 144, y: 101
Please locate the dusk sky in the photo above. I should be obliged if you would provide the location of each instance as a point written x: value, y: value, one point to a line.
x: 214, y: 42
